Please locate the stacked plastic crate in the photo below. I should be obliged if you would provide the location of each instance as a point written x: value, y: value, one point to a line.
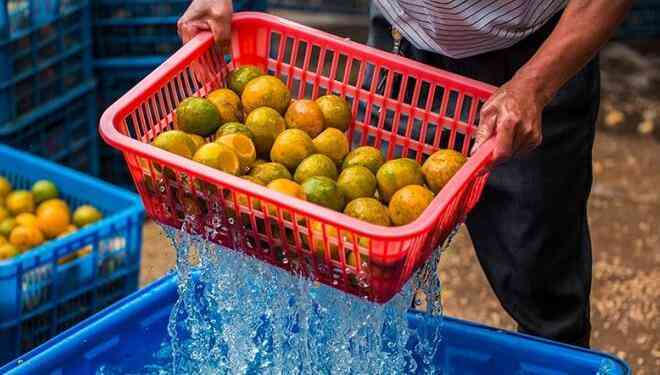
x: 643, y: 21
x: 131, y: 38
x: 322, y: 6
x: 51, y: 287
x: 47, y: 104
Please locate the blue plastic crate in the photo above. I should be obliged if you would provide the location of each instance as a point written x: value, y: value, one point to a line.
x: 40, y: 297
x: 322, y: 6
x: 45, y: 53
x: 132, y: 330
x: 143, y: 28
x: 115, y: 78
x: 643, y: 21
x: 62, y: 131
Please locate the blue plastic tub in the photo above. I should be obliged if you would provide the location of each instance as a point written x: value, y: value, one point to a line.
x: 45, y: 55
x: 643, y: 21
x: 143, y: 28
x: 62, y: 131
x: 40, y: 297
x: 129, y: 332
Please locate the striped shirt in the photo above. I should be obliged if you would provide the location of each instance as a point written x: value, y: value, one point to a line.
x: 462, y: 28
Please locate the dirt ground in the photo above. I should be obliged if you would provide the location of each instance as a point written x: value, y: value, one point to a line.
x: 624, y: 213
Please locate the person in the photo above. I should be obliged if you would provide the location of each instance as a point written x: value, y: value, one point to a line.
x: 530, y: 229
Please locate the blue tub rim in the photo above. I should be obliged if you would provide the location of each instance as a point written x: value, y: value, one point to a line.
x: 160, y: 285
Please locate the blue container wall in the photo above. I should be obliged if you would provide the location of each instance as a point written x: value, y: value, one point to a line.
x: 64, y: 132
x: 40, y: 295
x: 643, y: 21
x: 116, y: 77
x: 145, y: 28
x: 46, y: 81
x: 132, y: 330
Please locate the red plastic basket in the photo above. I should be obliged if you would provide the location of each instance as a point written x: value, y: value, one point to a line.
x: 412, y: 111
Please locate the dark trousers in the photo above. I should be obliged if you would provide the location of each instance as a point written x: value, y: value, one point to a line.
x: 530, y: 228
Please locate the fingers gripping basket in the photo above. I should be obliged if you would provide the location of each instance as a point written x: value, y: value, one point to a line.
x: 402, y: 107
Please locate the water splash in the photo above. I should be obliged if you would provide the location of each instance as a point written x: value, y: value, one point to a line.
x: 238, y: 315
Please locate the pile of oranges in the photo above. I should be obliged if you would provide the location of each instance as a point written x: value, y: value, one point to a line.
x: 29, y: 218
x: 255, y: 130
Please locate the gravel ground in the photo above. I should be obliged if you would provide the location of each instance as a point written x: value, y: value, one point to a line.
x: 624, y: 212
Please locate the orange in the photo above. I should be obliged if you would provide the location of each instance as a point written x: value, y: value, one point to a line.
x: 240, y: 77
x: 336, y: 111
x: 218, y: 156
x: 228, y: 104
x: 52, y: 202
x: 4, y: 213
x: 26, y: 219
x: 366, y: 156
x: 44, y: 190
x: 53, y: 220
x: 25, y: 237
x: 324, y: 192
x: 408, y: 203
x: 396, y: 174
x: 333, y: 144
x: 268, y: 172
x: 265, y: 124
x: 19, y: 201
x: 243, y: 148
x: 5, y: 188
x: 357, y: 182
x: 315, y: 165
x: 265, y: 91
x: 291, y: 147
x: 197, y: 116
x: 369, y: 210
x: 7, y: 225
x: 305, y: 115
x: 234, y: 127
x: 8, y: 251
x: 243, y: 200
x: 68, y: 230
x: 331, y: 235
x: 197, y: 140
x: 177, y: 142
x: 86, y: 215
x: 287, y: 187
x: 440, y: 167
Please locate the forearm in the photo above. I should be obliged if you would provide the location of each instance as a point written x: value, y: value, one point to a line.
x: 583, y: 29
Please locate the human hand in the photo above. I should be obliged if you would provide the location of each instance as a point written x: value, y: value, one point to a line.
x: 206, y: 15
x: 513, y: 117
